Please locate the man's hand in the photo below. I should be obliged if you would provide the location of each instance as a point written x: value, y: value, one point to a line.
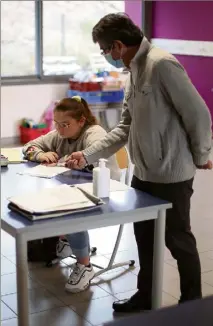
x: 76, y: 161
x: 48, y: 157
x: 207, y: 166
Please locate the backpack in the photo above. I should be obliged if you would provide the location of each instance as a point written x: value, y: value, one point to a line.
x: 43, y: 250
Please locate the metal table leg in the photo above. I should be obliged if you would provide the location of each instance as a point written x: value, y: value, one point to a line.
x: 118, y: 111
x: 158, y: 259
x: 22, y: 280
x: 104, y: 120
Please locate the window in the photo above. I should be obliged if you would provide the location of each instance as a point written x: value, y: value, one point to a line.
x: 45, y: 39
x: 17, y: 38
x: 67, y: 39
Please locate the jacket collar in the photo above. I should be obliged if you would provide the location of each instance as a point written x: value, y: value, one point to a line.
x: 138, y: 59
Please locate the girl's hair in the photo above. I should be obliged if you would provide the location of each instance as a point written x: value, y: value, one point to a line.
x: 77, y: 109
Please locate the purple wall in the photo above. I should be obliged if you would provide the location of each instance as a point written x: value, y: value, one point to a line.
x: 183, y: 20
x: 134, y: 9
x: 171, y: 20
x: 200, y: 70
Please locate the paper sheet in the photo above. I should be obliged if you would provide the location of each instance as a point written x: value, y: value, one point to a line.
x: 114, y: 186
x: 44, y: 171
x: 13, y: 154
x: 62, y: 197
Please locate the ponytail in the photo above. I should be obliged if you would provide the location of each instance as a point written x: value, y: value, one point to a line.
x: 90, y: 118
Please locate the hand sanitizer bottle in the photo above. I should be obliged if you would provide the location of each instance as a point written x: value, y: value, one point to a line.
x: 101, y: 180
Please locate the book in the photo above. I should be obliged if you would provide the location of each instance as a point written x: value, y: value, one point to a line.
x: 14, y: 155
x: 53, y: 202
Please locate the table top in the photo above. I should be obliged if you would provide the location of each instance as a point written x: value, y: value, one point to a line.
x: 196, y: 313
x: 115, y: 211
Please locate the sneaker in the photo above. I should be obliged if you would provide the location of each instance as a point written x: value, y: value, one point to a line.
x: 80, y: 278
x: 63, y: 249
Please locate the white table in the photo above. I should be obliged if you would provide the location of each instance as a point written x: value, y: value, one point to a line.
x: 125, y: 207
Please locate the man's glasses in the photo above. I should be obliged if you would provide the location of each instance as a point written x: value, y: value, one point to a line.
x: 106, y: 50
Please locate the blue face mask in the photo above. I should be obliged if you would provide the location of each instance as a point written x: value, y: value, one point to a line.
x: 116, y: 63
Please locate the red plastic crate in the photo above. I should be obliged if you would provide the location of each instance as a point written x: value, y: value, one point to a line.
x: 27, y: 134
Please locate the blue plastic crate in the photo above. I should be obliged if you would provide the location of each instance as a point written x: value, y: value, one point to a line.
x: 100, y: 96
x: 113, y: 96
x: 71, y: 93
x: 90, y: 97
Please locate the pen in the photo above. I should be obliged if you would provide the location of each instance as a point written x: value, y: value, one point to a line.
x: 17, y: 162
x: 61, y: 164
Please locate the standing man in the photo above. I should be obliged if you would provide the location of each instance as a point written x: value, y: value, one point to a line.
x: 168, y: 127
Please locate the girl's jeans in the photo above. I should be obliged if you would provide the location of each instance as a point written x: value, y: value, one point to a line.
x: 79, y: 243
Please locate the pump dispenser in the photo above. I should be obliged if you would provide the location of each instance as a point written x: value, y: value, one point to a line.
x: 101, y: 180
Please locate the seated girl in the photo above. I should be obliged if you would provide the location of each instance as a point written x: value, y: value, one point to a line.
x: 75, y: 129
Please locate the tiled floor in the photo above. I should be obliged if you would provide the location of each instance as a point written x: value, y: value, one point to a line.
x: 50, y: 304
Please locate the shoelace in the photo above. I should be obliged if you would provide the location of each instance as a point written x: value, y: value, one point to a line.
x: 75, y: 274
x: 61, y: 244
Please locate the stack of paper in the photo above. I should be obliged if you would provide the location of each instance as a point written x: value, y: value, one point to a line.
x: 114, y: 186
x: 53, y: 202
x: 45, y: 171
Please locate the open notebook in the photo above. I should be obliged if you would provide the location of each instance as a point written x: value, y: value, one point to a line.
x: 53, y: 202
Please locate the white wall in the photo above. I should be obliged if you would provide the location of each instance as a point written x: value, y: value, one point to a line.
x: 23, y: 101
x: 18, y: 102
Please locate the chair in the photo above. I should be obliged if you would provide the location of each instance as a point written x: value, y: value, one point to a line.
x: 124, y: 164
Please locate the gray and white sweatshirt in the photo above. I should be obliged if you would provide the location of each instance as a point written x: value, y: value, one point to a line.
x: 63, y: 147
x: 165, y: 121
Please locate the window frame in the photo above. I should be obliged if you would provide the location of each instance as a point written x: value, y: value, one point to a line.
x: 39, y: 77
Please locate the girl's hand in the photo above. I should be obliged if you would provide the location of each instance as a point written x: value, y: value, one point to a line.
x: 48, y: 157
